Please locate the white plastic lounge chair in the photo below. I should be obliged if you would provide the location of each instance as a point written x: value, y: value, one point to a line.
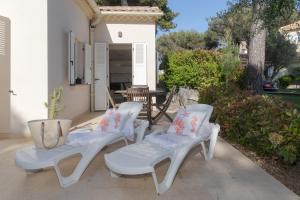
x: 32, y: 159
x: 141, y: 157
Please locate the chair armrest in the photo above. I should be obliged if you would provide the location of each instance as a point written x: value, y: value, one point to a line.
x: 140, y: 129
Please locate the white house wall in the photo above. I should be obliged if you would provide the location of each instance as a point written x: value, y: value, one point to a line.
x: 293, y: 37
x: 65, y: 16
x: 28, y: 64
x: 131, y: 33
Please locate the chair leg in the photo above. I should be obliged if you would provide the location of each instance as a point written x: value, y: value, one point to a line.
x: 85, y: 160
x: 114, y: 175
x: 176, y: 161
x: 204, y: 150
x: 125, y: 141
x: 213, y: 141
x: 154, y: 177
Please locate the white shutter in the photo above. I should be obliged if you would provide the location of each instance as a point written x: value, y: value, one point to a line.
x: 101, y: 76
x: 139, y: 64
x: 87, y: 64
x: 71, y: 58
x: 6, y: 116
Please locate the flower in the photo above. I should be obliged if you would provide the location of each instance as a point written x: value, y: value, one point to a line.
x: 194, y: 123
x: 103, y: 123
x: 178, y: 125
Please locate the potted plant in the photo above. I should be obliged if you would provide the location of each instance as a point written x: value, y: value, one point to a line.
x: 51, y: 132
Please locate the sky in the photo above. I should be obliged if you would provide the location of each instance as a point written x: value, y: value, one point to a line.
x: 193, y: 14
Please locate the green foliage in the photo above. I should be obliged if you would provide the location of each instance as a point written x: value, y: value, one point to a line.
x: 236, y: 20
x: 182, y: 40
x: 54, y: 108
x: 285, y: 81
x: 280, y: 51
x: 266, y: 125
x: 165, y: 23
x: 109, y: 2
x: 274, y: 13
x: 195, y: 69
x: 230, y: 63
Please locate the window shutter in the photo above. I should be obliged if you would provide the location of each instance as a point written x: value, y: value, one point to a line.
x: 101, y: 76
x: 87, y: 64
x: 3, y: 36
x: 139, y: 64
x: 71, y: 59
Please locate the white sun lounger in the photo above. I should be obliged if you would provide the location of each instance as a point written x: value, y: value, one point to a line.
x: 141, y: 157
x: 33, y: 159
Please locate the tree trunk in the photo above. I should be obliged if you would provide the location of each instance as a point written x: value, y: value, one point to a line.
x: 257, y: 48
x: 124, y: 3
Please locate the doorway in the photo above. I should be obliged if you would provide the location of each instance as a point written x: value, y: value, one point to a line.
x: 120, y: 68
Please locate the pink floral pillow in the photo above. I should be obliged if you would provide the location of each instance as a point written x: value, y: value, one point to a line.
x: 112, y: 121
x: 187, y: 123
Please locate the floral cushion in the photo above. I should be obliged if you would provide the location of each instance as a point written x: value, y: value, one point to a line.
x: 112, y: 121
x: 187, y: 123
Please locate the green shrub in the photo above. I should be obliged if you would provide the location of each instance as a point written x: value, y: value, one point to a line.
x: 230, y: 63
x: 266, y: 125
x: 195, y: 69
x: 285, y: 81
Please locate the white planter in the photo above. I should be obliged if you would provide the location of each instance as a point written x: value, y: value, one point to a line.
x: 51, y: 129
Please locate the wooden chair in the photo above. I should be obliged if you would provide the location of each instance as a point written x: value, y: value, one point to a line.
x: 111, y: 100
x: 164, y: 107
x: 141, y: 93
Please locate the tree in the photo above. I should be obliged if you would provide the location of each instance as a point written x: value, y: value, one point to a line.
x: 257, y: 48
x: 280, y: 52
x: 236, y: 20
x: 252, y: 20
x: 266, y: 15
x: 182, y: 40
x: 165, y: 23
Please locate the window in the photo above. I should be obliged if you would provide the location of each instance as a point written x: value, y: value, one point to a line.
x: 79, y: 61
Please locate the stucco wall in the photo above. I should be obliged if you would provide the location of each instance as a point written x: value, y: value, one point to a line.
x: 65, y: 16
x: 28, y: 61
x: 145, y: 33
x: 294, y: 38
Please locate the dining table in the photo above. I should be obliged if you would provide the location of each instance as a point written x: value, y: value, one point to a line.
x: 152, y: 93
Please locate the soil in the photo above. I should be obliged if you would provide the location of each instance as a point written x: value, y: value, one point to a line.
x: 288, y: 175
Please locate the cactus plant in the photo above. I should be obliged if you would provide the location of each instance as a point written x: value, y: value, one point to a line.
x: 54, y: 107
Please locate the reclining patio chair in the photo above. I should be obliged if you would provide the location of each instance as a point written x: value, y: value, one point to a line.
x: 32, y: 159
x: 141, y: 157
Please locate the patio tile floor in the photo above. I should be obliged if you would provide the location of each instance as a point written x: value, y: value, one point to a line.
x: 229, y: 176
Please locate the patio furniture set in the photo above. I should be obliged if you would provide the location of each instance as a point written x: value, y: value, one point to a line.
x: 190, y: 128
x: 142, y: 93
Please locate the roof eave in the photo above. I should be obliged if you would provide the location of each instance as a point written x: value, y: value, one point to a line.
x: 102, y: 14
x: 130, y: 13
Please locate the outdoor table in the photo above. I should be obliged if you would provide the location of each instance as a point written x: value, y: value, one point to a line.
x: 152, y: 93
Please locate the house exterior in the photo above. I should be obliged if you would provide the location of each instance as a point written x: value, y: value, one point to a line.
x: 292, y: 33
x: 75, y: 44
